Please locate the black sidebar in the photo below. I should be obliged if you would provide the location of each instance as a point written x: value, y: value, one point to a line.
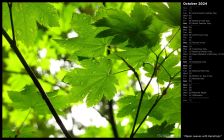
x: 202, y: 69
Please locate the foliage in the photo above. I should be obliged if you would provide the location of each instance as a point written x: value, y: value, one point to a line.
x: 97, y: 78
x: 109, y: 64
x: 162, y: 130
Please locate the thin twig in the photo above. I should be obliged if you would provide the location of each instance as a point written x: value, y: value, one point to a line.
x: 153, y: 52
x: 164, y: 92
x: 153, y: 74
x: 11, y: 21
x: 166, y: 70
x: 168, y: 56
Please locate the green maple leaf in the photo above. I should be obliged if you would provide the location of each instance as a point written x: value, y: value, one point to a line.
x: 124, y: 27
x: 176, y: 132
x: 86, y: 44
x: 26, y: 98
x: 169, y: 67
x: 171, y: 14
x: 93, y: 81
x: 157, y: 131
x: 129, y: 104
x: 25, y: 16
x: 29, y: 97
x: 134, y: 56
x: 169, y: 107
x: 86, y: 47
x: 154, y: 32
x: 176, y: 41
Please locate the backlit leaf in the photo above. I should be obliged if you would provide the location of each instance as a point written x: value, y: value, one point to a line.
x: 169, y: 14
x: 93, y: 81
x: 25, y: 16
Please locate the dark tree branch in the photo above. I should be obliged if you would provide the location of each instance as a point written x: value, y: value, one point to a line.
x: 112, y: 120
x: 142, y: 91
x: 164, y: 92
x: 11, y: 21
x: 32, y: 75
x: 150, y: 110
x: 153, y: 74
x: 141, y: 99
x: 102, y: 114
x: 133, y: 70
x: 156, y: 67
x: 104, y: 4
x: 110, y: 103
x: 36, y: 82
x: 108, y: 115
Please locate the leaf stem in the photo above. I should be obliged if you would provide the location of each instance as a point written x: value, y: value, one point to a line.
x: 22, y: 124
x: 120, y: 71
